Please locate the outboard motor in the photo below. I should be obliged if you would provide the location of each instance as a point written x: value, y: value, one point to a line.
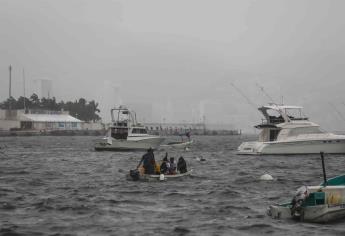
x: 134, y: 174
x: 301, y: 195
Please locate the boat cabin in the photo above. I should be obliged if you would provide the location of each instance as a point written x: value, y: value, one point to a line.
x: 275, y: 115
x: 268, y: 133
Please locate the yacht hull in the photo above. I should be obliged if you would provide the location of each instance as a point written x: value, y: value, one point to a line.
x: 178, y: 144
x: 131, y: 144
x: 293, y: 147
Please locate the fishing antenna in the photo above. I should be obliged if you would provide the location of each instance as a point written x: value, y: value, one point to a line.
x: 337, y: 111
x: 24, y: 90
x: 264, y: 92
x: 243, y: 95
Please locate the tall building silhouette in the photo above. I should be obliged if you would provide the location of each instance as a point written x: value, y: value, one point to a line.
x: 43, y: 88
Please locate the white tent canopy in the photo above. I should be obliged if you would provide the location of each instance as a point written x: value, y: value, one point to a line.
x: 49, y: 118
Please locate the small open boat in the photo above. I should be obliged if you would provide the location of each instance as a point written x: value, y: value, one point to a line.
x: 319, y: 204
x: 135, y: 175
x: 182, y: 144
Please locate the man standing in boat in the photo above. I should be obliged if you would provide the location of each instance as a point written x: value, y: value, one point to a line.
x: 188, y: 135
x: 149, y: 162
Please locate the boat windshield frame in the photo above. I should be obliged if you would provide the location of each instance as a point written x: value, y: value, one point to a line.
x: 284, y: 114
x: 129, y: 120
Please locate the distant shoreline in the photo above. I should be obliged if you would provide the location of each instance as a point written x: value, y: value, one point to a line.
x: 23, y: 133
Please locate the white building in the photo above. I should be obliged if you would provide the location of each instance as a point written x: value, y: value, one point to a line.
x: 42, y: 121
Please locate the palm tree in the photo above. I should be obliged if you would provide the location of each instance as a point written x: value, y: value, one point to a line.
x: 35, y: 100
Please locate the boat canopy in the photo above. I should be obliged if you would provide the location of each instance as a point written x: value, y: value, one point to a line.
x: 336, y: 181
x: 281, y: 107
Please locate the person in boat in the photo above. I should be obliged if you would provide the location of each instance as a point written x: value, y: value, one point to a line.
x: 301, y: 195
x: 164, y: 168
x: 148, y: 161
x: 181, y: 165
x: 172, y: 169
x: 188, y: 135
x: 181, y: 135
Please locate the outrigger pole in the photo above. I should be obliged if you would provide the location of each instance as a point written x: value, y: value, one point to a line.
x: 243, y: 95
x: 323, y: 169
x: 265, y: 93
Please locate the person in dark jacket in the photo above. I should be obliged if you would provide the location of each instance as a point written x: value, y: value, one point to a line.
x: 188, y: 135
x: 181, y: 165
x: 149, y: 162
x: 164, y: 168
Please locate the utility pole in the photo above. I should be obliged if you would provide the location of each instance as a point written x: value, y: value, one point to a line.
x: 9, y: 94
x: 24, y: 90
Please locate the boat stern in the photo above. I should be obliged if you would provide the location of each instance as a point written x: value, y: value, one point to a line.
x: 102, y: 143
x: 279, y: 211
x: 247, y: 148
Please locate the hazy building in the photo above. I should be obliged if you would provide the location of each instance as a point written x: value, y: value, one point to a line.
x: 144, y: 111
x: 43, y: 88
x: 110, y: 98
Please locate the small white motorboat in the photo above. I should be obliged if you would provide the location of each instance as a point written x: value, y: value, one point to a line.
x: 318, y: 204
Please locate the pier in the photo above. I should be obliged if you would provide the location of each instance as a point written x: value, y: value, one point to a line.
x: 193, y: 128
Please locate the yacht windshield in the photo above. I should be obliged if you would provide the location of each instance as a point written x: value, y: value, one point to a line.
x: 139, y: 131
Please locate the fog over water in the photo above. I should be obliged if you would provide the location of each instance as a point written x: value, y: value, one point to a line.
x: 181, y: 56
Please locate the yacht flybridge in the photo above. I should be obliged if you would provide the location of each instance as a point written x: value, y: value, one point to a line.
x: 125, y: 133
x: 285, y: 130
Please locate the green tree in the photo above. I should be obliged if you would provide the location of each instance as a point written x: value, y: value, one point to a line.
x: 35, y: 101
x: 10, y: 102
x: 81, y: 108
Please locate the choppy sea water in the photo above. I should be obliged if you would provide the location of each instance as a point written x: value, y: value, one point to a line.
x: 60, y: 186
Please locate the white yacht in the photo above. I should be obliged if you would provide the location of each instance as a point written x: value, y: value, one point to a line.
x: 125, y: 133
x: 285, y: 130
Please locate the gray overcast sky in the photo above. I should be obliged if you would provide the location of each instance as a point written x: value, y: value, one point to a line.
x: 181, y: 56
